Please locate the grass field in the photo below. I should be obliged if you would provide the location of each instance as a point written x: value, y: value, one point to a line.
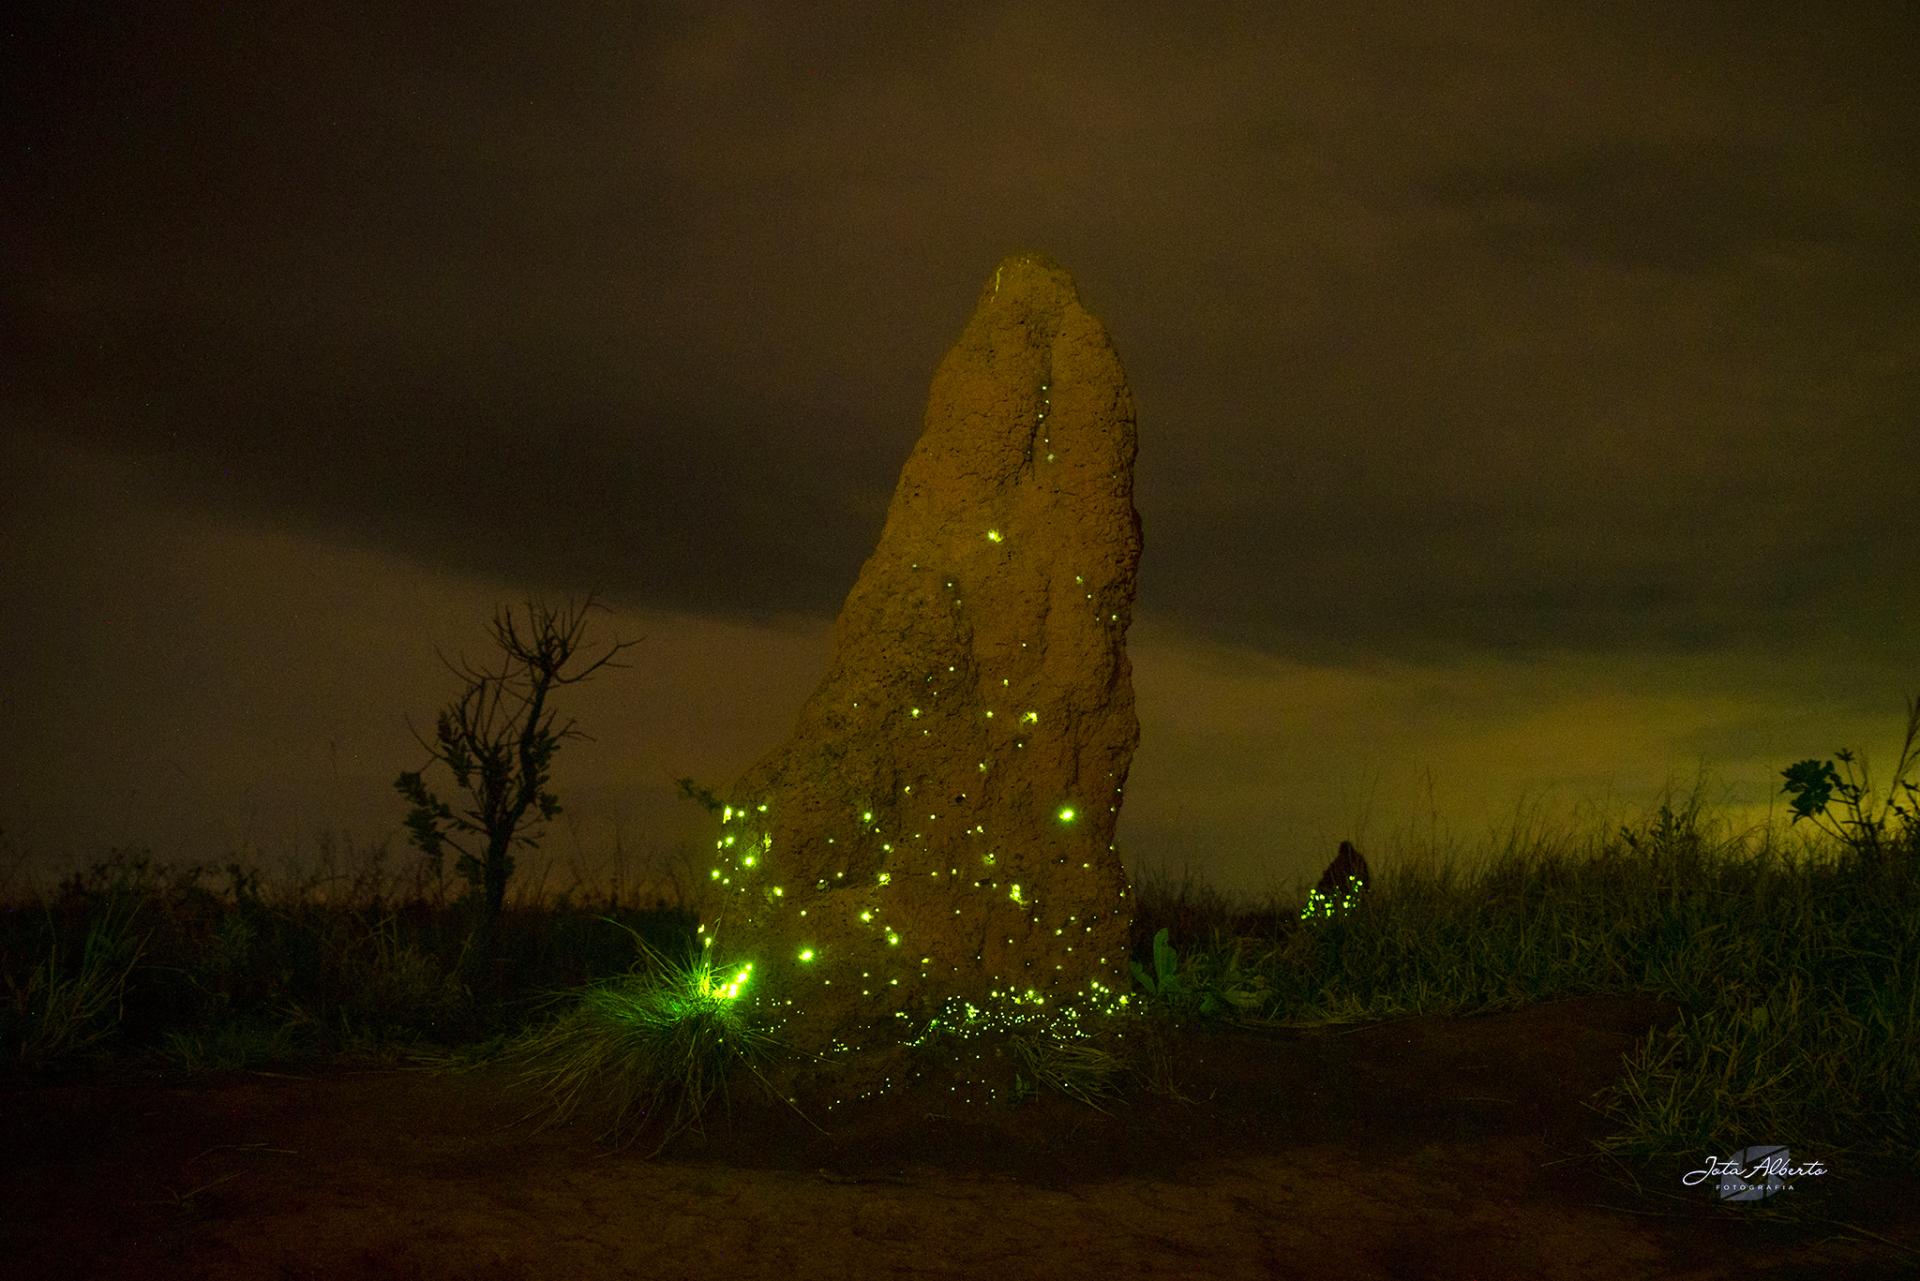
x: 1795, y: 962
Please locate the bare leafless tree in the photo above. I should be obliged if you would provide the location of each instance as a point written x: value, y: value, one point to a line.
x: 497, y: 739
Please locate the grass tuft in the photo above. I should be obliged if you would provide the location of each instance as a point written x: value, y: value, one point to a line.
x: 1080, y: 1067
x: 649, y: 1051
x: 68, y: 1005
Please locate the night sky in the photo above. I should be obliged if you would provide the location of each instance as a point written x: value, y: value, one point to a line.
x: 1527, y: 396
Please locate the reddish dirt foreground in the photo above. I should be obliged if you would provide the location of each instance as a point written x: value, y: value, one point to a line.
x: 1444, y: 1148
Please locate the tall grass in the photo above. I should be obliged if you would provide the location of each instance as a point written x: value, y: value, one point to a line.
x: 71, y: 1000
x: 195, y: 969
x: 1795, y: 965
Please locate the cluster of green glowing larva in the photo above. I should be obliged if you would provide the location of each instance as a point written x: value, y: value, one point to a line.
x: 743, y: 870
x: 1324, y: 905
x: 1003, y: 1006
x: 966, y: 1033
x: 890, y: 965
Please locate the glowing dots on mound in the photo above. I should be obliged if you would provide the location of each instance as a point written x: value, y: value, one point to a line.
x: 1342, y: 901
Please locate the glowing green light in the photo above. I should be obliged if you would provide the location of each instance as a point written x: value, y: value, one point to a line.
x: 1320, y: 903
x: 728, y: 841
x: 806, y: 954
x: 893, y: 939
x: 726, y: 815
x: 993, y: 535
x: 728, y: 990
x: 1014, y: 894
x: 716, y: 874
x: 1066, y: 813
x: 866, y: 916
x: 914, y: 712
x: 885, y: 877
x: 867, y: 817
x: 1030, y: 718
x: 748, y: 861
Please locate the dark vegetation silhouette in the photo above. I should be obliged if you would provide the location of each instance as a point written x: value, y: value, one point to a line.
x: 1874, y: 835
x: 497, y: 740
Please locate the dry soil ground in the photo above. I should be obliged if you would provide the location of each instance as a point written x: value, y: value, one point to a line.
x: 1444, y: 1148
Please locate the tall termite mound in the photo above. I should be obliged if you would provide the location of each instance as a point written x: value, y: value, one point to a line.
x: 941, y: 822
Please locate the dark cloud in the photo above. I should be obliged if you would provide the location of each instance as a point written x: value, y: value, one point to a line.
x: 1454, y: 330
